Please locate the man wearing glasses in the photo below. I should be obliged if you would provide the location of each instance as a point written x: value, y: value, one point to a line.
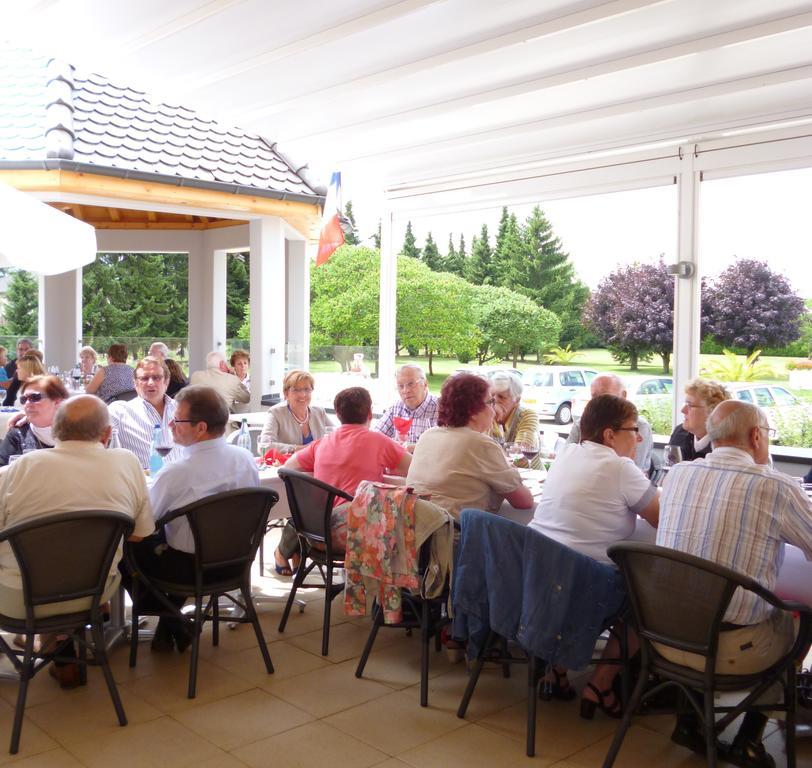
x: 732, y: 508
x: 415, y: 412
x: 209, y: 465
x: 135, y: 420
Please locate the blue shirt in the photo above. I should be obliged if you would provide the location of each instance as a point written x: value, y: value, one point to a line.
x: 207, y: 467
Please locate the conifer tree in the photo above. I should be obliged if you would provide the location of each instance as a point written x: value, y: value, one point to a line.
x: 479, y: 267
x: 351, y: 237
x: 410, y: 248
x: 431, y: 254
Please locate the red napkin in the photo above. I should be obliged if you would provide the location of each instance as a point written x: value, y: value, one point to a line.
x: 275, y: 459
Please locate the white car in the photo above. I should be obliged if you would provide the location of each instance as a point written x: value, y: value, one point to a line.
x: 551, y: 390
x: 775, y: 400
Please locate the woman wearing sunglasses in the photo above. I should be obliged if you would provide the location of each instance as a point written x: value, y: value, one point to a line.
x: 40, y: 397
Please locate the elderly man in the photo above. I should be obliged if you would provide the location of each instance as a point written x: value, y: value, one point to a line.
x: 610, y: 384
x: 415, y: 412
x: 158, y: 350
x: 77, y: 474
x: 220, y: 377
x: 210, y: 465
x: 732, y: 508
x: 135, y: 420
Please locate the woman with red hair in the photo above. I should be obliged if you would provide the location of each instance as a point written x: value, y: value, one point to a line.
x: 456, y: 462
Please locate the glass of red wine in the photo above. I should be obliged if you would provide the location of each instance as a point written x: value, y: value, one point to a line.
x: 165, y: 443
x: 529, y: 451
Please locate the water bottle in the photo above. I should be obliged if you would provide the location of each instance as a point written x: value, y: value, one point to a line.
x: 244, y: 436
x: 156, y: 463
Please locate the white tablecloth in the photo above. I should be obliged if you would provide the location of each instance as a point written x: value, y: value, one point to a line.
x: 269, y: 478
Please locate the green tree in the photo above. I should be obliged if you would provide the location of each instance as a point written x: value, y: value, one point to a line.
x: 23, y: 304
x: 510, y: 256
x: 238, y: 291
x: 351, y: 238
x: 453, y: 263
x: 410, y: 248
x: 479, y: 267
x: 376, y: 238
x: 510, y: 323
x: 431, y: 254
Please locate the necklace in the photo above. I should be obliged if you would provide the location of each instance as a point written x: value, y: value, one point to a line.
x: 300, y: 422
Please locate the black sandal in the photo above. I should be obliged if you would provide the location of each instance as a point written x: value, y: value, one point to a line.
x: 559, y: 688
x: 588, y: 707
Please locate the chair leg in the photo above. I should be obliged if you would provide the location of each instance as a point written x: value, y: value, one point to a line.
x: 251, y: 613
x: 192, y: 692
x: 22, y: 692
x: 101, y: 659
x: 328, y: 602
x: 298, y: 579
x: 710, y: 730
x: 620, y: 733
x: 532, y: 696
x: 789, y: 729
x: 425, y: 637
x: 377, y: 621
x: 134, y: 624
x: 262, y: 555
x: 473, y: 677
x: 215, y: 617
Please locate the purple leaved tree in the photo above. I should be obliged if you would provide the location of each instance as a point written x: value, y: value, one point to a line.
x: 632, y: 312
x: 751, y: 306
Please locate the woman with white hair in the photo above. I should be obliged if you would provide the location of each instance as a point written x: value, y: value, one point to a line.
x: 513, y: 423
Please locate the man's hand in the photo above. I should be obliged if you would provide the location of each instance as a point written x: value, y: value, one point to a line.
x: 17, y: 420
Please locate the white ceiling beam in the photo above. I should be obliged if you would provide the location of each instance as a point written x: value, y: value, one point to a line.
x: 517, y: 34
x: 328, y: 34
x: 630, y: 106
x: 646, y: 57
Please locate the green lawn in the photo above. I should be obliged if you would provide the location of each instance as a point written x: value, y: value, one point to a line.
x: 597, y: 359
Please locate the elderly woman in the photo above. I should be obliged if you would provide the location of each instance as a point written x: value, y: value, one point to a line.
x: 701, y: 397
x: 40, y: 396
x: 592, y: 497
x: 114, y: 378
x: 87, y: 361
x: 293, y: 424
x: 512, y: 423
x: 457, y: 462
x: 239, y: 361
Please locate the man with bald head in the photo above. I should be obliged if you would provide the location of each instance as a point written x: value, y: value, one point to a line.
x: 732, y: 508
x: 76, y: 474
x: 221, y: 378
x: 610, y: 384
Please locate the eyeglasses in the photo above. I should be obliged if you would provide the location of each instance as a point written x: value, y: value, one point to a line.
x: 301, y: 390
x: 491, y: 401
x: 771, y: 433
x: 626, y: 429
x: 34, y: 397
x: 182, y: 421
x: 158, y: 377
x: 686, y: 404
x: 409, y: 384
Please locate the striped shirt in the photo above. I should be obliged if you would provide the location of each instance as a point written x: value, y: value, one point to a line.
x: 734, y: 512
x: 423, y: 417
x: 135, y: 420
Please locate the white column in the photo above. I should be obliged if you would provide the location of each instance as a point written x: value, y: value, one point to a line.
x: 268, y: 312
x: 207, y: 304
x: 60, y: 318
x: 387, y: 330
x: 687, y: 294
x: 298, y: 303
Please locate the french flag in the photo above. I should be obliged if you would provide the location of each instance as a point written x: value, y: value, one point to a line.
x: 332, y: 232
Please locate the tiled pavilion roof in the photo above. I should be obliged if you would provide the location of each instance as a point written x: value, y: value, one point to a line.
x: 54, y: 117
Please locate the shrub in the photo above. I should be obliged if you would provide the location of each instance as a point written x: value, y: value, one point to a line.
x: 794, y: 427
x: 657, y: 412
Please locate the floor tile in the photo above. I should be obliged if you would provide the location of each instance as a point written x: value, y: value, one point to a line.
x: 328, y: 690
x: 310, y: 745
x: 641, y: 747
x: 394, y: 723
x: 158, y: 743
x: 87, y: 712
x: 347, y: 641
x: 471, y: 747
x: 239, y: 720
x: 54, y: 758
x: 167, y: 691
x: 288, y: 661
x: 33, y: 740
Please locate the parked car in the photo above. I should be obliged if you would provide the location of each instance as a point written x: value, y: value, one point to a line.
x: 653, y: 385
x: 551, y: 390
x: 774, y: 399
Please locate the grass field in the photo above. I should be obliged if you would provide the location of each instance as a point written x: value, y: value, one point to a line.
x: 597, y: 359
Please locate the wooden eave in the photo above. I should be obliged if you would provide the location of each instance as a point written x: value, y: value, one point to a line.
x: 303, y: 217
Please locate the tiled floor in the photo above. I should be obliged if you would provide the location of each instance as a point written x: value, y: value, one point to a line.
x: 313, y: 711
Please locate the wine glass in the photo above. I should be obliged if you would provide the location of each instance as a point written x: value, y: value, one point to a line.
x: 529, y: 451
x: 165, y: 443
x: 672, y: 454
x: 2, y: 396
x: 513, y: 451
x: 263, y: 444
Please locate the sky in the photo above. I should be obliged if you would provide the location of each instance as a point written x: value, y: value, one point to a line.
x: 760, y: 216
